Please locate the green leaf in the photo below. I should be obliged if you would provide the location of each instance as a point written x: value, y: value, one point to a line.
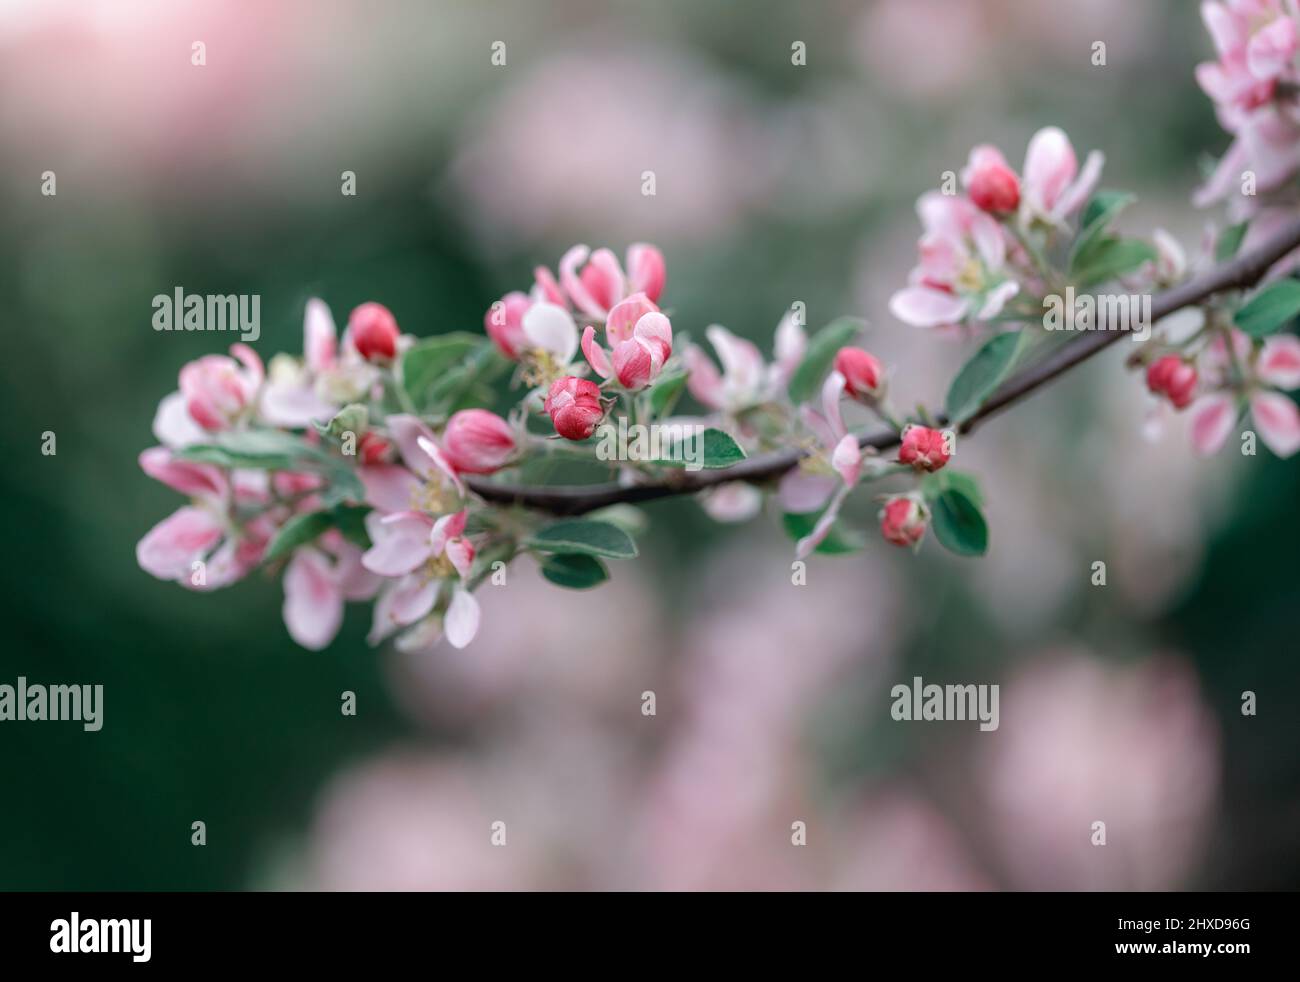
x: 1271, y: 309
x: 342, y: 484
x: 431, y: 358
x: 981, y: 375
x: 819, y: 356
x: 665, y: 393
x: 934, y: 485
x: 303, y: 529
x: 1110, y: 259
x: 578, y: 535
x: 840, y: 540
x: 958, y: 523
x: 711, y: 450
x: 1102, y: 209
x: 466, y: 384
x: 353, y: 418
x: 1229, y: 241
x: 256, y: 449
x: 576, y: 571
x: 297, y: 531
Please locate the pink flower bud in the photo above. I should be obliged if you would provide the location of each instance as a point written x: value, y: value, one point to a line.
x: 903, y: 520
x: 574, y: 407
x: 504, y: 323
x: 992, y: 185
x: 924, y: 448
x: 1173, y: 378
x: 374, y: 333
x: 375, y: 449
x: 477, y: 441
x: 864, y: 377
x: 217, y: 389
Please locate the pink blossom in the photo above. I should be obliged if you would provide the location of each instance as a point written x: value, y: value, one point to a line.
x: 316, y: 586
x: 574, y: 407
x: 293, y: 395
x: 642, y: 338
x: 991, y: 183
x: 745, y: 380
x: 504, y: 323
x: 594, y: 282
x: 903, y: 520
x: 477, y: 441
x: 924, y: 448
x: 218, y: 390
x: 373, y: 331
x: 845, y: 459
x: 1256, y: 41
x: 963, y: 269
x: 864, y: 375
x: 1054, y: 187
x: 1275, y: 415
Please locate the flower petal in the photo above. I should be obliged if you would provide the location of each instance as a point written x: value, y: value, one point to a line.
x: 1278, y: 422
x: 922, y: 306
x: 319, y: 336
x: 170, y: 548
x: 462, y: 618
x: 1279, y: 361
x: 1212, y: 420
x: 401, y: 542
x: 594, y: 353
x: 552, y: 329
x: 313, y: 603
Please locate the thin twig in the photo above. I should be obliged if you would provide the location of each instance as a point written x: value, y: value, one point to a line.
x: 1242, y: 271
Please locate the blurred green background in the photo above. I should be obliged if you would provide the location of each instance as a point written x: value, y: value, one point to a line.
x: 775, y: 183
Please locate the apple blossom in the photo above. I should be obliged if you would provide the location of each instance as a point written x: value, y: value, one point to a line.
x: 642, y: 338
x: 373, y: 330
x: 477, y: 441
x: 864, y: 376
x: 903, y: 519
x: 504, y: 323
x: 218, y: 391
x: 991, y: 183
x: 924, y: 448
x: 574, y: 407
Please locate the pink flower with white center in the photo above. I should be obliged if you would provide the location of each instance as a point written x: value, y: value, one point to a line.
x: 597, y: 284
x: 990, y: 182
x: 845, y: 459
x: 317, y: 582
x: 574, y: 407
x: 924, y: 448
x: 1054, y: 187
x: 1277, y: 367
x: 293, y: 395
x: 963, y: 270
x: 218, y: 391
x: 903, y: 519
x: 504, y: 323
x: 864, y: 375
x: 745, y: 380
x: 642, y: 338
x: 402, y: 544
x: 477, y: 442
x: 1173, y: 378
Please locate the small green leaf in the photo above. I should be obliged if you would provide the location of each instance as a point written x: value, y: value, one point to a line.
x: 665, y: 393
x: 576, y: 571
x: 819, y: 356
x: 297, y: 531
x: 342, y: 484
x: 934, y: 485
x: 431, y: 358
x: 256, y: 449
x: 981, y: 375
x: 958, y: 524
x: 840, y: 540
x: 711, y: 450
x: 1102, y: 209
x: 1271, y: 309
x: 577, y: 535
x: 353, y: 418
x: 1112, y: 258
x: 1229, y: 241
x: 351, y: 521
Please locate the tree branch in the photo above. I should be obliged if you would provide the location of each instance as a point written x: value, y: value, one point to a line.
x: 1242, y: 271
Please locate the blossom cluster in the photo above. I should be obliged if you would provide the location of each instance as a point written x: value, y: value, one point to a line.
x: 362, y: 469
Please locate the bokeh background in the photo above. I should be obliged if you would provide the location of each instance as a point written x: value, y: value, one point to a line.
x: 775, y: 183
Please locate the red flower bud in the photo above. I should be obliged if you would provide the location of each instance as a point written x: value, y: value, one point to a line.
x: 924, y: 448
x: 374, y: 449
x: 864, y: 376
x: 992, y: 185
x: 903, y: 520
x: 374, y: 333
x: 477, y: 441
x: 1173, y: 378
x: 574, y: 407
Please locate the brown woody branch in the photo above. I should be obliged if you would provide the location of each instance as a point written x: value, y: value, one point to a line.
x: 1242, y: 271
